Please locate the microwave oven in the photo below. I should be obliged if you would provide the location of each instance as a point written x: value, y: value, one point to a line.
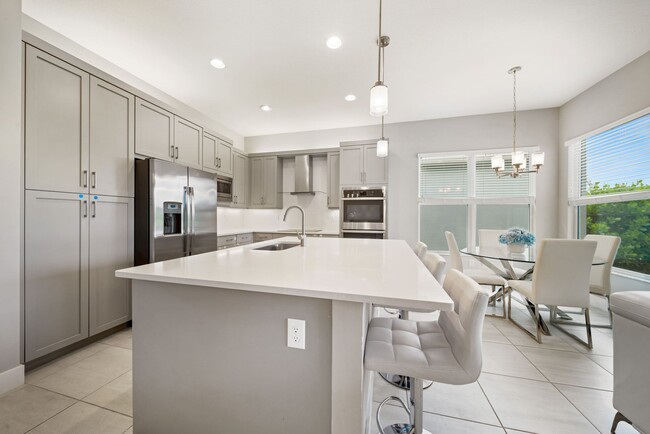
x: 224, y: 189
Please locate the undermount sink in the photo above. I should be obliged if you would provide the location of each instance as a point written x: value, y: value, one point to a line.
x: 278, y: 246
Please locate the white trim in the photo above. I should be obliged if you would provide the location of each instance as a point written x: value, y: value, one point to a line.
x: 609, y: 126
x: 611, y: 198
x: 12, y: 378
x: 629, y: 274
x: 481, y: 152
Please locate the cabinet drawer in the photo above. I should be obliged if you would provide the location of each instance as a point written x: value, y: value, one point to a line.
x: 262, y: 236
x: 226, y: 241
x: 244, y: 238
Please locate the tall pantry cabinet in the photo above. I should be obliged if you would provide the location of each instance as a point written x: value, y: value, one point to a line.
x: 79, y: 143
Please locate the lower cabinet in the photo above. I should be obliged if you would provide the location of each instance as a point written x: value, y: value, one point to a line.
x: 73, y: 245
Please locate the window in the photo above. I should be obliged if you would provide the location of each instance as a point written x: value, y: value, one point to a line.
x: 461, y: 193
x: 609, y: 189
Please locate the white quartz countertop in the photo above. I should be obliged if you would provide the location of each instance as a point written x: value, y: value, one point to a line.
x: 384, y: 272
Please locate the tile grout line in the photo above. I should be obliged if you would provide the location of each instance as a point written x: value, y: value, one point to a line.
x: 491, y: 406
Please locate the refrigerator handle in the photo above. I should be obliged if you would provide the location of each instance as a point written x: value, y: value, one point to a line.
x: 186, y: 219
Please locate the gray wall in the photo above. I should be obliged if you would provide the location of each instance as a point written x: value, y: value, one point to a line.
x: 407, y: 139
x: 623, y: 93
x: 10, y: 146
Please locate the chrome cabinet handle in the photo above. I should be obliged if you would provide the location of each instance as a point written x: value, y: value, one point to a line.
x: 93, y: 209
x: 216, y: 162
x: 172, y: 151
x: 176, y: 157
x: 219, y: 162
x: 93, y: 180
x: 85, y: 178
x: 85, y: 202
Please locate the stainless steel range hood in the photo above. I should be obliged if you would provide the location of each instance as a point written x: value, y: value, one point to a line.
x: 304, y: 175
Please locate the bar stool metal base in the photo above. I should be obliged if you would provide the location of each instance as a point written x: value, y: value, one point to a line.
x: 401, y: 428
x: 401, y: 381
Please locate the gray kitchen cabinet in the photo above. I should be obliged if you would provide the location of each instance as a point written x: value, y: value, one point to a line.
x: 360, y: 165
x: 73, y: 245
x: 188, y: 143
x: 266, y: 182
x: 224, y: 158
x: 240, y: 181
x: 154, y: 131
x: 226, y: 241
x: 266, y: 236
x: 112, y: 137
x: 244, y: 239
x: 333, y: 181
x: 209, y: 160
x: 56, y: 271
x: 110, y: 249
x: 56, y: 124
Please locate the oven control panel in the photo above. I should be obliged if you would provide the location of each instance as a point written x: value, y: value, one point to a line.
x: 379, y: 193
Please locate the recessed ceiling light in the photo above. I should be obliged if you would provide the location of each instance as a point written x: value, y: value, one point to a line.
x: 265, y: 108
x: 350, y: 97
x: 217, y: 63
x: 334, y: 42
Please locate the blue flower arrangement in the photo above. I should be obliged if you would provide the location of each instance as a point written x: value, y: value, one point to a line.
x: 517, y: 236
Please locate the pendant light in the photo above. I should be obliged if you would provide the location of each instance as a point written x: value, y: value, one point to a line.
x: 518, y: 158
x: 379, y: 92
x: 382, y: 144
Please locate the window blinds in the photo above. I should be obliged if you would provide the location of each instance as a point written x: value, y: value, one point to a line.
x: 443, y: 177
x: 489, y: 185
x: 613, y: 165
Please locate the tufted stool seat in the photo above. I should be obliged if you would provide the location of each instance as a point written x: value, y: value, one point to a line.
x: 447, y: 351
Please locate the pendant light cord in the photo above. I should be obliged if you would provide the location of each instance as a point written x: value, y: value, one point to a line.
x: 379, y: 57
x: 514, y: 111
x: 382, y: 128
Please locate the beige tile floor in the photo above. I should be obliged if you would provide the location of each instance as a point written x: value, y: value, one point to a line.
x: 556, y: 387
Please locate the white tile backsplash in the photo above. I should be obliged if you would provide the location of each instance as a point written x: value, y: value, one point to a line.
x: 317, y: 214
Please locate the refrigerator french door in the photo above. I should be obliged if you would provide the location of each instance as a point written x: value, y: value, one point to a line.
x: 176, y: 211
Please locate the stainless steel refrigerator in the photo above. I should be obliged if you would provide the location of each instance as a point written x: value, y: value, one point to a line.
x: 175, y: 211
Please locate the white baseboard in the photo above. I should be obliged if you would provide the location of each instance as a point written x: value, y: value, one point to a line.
x: 12, y: 378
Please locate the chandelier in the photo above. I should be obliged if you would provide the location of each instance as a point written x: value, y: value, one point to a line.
x: 518, y: 158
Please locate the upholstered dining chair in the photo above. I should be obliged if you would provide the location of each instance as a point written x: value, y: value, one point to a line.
x: 560, y: 278
x: 420, y: 249
x: 435, y: 264
x: 482, y: 276
x: 600, y: 278
x: 448, y: 350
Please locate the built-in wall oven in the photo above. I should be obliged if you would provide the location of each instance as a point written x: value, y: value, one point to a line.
x: 363, y: 213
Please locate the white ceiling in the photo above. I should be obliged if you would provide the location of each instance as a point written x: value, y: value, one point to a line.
x: 446, y: 58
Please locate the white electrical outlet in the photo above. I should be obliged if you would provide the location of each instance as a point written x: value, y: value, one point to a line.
x: 296, y: 333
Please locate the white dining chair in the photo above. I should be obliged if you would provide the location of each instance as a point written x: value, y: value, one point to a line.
x: 600, y: 278
x: 420, y: 249
x: 435, y: 264
x: 482, y: 276
x: 560, y: 278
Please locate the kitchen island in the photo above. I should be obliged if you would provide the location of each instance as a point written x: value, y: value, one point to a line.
x: 210, y: 350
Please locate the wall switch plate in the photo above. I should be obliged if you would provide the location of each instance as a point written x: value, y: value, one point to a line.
x: 296, y: 333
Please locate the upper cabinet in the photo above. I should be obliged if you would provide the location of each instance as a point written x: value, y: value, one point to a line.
x: 266, y: 182
x: 240, y: 181
x: 79, y: 130
x: 112, y: 137
x: 56, y: 124
x: 333, y: 175
x: 154, y: 131
x: 188, y: 143
x: 217, y: 155
x: 360, y: 165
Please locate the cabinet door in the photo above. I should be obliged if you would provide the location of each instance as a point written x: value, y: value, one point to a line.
x: 56, y: 124
x: 112, y: 135
x: 224, y: 154
x: 56, y: 271
x: 256, y: 198
x: 110, y: 249
x: 272, y: 182
x: 187, y: 141
x: 209, y: 153
x: 153, y: 131
x: 351, y: 159
x: 333, y: 174
x: 375, y: 168
x: 240, y: 181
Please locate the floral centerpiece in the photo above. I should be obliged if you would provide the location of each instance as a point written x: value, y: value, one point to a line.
x: 517, y: 239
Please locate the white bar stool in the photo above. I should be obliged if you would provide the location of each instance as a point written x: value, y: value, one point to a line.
x: 447, y: 351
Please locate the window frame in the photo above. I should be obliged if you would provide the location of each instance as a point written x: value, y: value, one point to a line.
x: 573, y: 189
x: 471, y: 200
